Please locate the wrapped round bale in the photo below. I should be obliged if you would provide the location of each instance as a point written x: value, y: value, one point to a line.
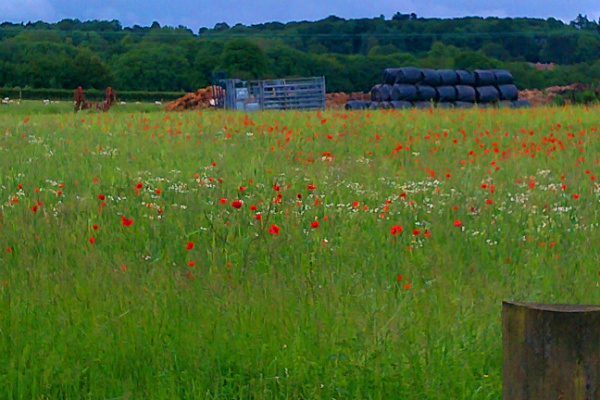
x: 381, y: 93
x: 508, y: 92
x: 465, y: 93
x: 520, y: 103
x: 400, y: 104
x: 484, y: 77
x: 374, y: 105
x: 384, y: 105
x: 431, y: 77
x: 503, y: 77
x: 390, y: 75
x: 409, y: 75
x: 466, y: 77
x: 355, y: 105
x: 449, y: 77
x: 446, y: 93
x: 422, y: 105
x: 463, y: 104
x: 402, y: 91
x: 426, y: 93
x: 487, y: 94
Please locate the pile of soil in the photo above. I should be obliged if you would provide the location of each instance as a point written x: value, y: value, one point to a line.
x: 546, y: 96
x: 200, y: 99
x: 339, y: 99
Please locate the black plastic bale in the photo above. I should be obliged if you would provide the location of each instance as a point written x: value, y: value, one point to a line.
x: 503, y: 77
x: 484, y: 77
x: 466, y: 77
x: 446, y: 93
x: 400, y: 104
x: 410, y: 75
x: 422, y: 105
x: 426, y: 93
x: 374, y: 105
x: 390, y: 75
x: 376, y: 93
x: 521, y: 104
x: 386, y: 92
x: 463, y: 104
x: 508, y: 92
x: 402, y: 91
x: 355, y: 105
x: 465, y: 93
x: 431, y: 77
x: 487, y: 94
x: 449, y: 77
x: 384, y: 105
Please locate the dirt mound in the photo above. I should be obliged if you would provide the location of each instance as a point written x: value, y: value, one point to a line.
x: 339, y: 99
x: 202, y: 98
x: 546, y: 96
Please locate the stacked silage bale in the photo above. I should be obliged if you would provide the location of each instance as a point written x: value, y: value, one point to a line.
x: 425, y: 88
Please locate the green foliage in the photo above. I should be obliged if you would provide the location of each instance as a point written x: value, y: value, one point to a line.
x: 351, y: 53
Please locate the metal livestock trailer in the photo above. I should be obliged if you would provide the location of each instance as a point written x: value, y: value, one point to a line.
x: 273, y: 94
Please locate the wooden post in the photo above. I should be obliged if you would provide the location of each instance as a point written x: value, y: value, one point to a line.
x: 550, y: 351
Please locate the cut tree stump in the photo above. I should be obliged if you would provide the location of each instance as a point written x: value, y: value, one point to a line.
x: 550, y: 351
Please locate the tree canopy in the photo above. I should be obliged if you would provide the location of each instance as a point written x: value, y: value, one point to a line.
x: 351, y: 53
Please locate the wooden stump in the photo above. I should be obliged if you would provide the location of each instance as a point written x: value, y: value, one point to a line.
x: 550, y: 351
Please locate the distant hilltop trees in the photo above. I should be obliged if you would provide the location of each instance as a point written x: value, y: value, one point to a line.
x: 350, y: 53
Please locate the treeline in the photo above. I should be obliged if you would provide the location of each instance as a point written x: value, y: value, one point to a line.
x: 351, y: 54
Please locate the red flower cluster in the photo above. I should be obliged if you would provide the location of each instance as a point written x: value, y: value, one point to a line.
x: 274, y: 229
x: 396, y: 229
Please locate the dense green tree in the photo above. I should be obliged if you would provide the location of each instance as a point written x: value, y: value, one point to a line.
x: 243, y: 59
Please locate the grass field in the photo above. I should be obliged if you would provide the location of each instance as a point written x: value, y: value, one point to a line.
x: 285, y: 255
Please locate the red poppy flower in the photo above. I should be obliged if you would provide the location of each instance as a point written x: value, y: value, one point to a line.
x: 258, y: 216
x: 126, y: 222
x: 396, y: 229
x: 242, y: 188
x: 576, y: 196
x: 253, y: 207
x: 299, y: 196
x: 101, y: 197
x: 94, y: 227
x: 236, y: 204
x: 408, y: 286
x: 34, y: 208
x: 189, y: 246
x: 92, y: 240
x: 274, y: 229
x: 532, y: 184
x: 311, y: 187
x: 190, y: 263
x: 59, y: 192
x: 489, y: 201
x: 399, y: 278
x: 139, y: 185
x: 276, y: 187
x: 157, y: 191
x: 416, y: 232
x: 315, y: 224
x: 457, y: 222
x: 223, y: 200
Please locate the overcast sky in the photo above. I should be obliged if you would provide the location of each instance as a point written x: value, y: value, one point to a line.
x: 202, y: 13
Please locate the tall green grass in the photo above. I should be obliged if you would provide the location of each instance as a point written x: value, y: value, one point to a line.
x: 345, y: 310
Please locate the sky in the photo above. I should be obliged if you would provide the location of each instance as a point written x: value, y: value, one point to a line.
x: 202, y: 13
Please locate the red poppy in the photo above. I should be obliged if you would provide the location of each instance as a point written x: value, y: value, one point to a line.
x: 258, y: 216
x: 139, y: 185
x: 242, y: 188
x: 399, y: 278
x: 489, y: 201
x: 223, y: 200
x: 311, y: 187
x: 126, y: 222
x: 276, y: 187
x: 532, y: 184
x: 299, y: 196
x: 416, y: 232
x: 576, y: 196
x: 190, y: 263
x: 92, y: 240
x: 236, y: 204
x: 315, y: 224
x: 189, y: 246
x: 396, y: 229
x: 274, y: 229
x: 457, y: 223
x: 157, y: 191
x: 19, y: 186
x: 34, y: 208
x: 94, y: 227
x: 408, y: 286
x: 101, y: 197
x: 253, y: 207
x: 59, y: 192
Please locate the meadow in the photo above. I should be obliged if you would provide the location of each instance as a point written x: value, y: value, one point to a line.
x: 285, y: 255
